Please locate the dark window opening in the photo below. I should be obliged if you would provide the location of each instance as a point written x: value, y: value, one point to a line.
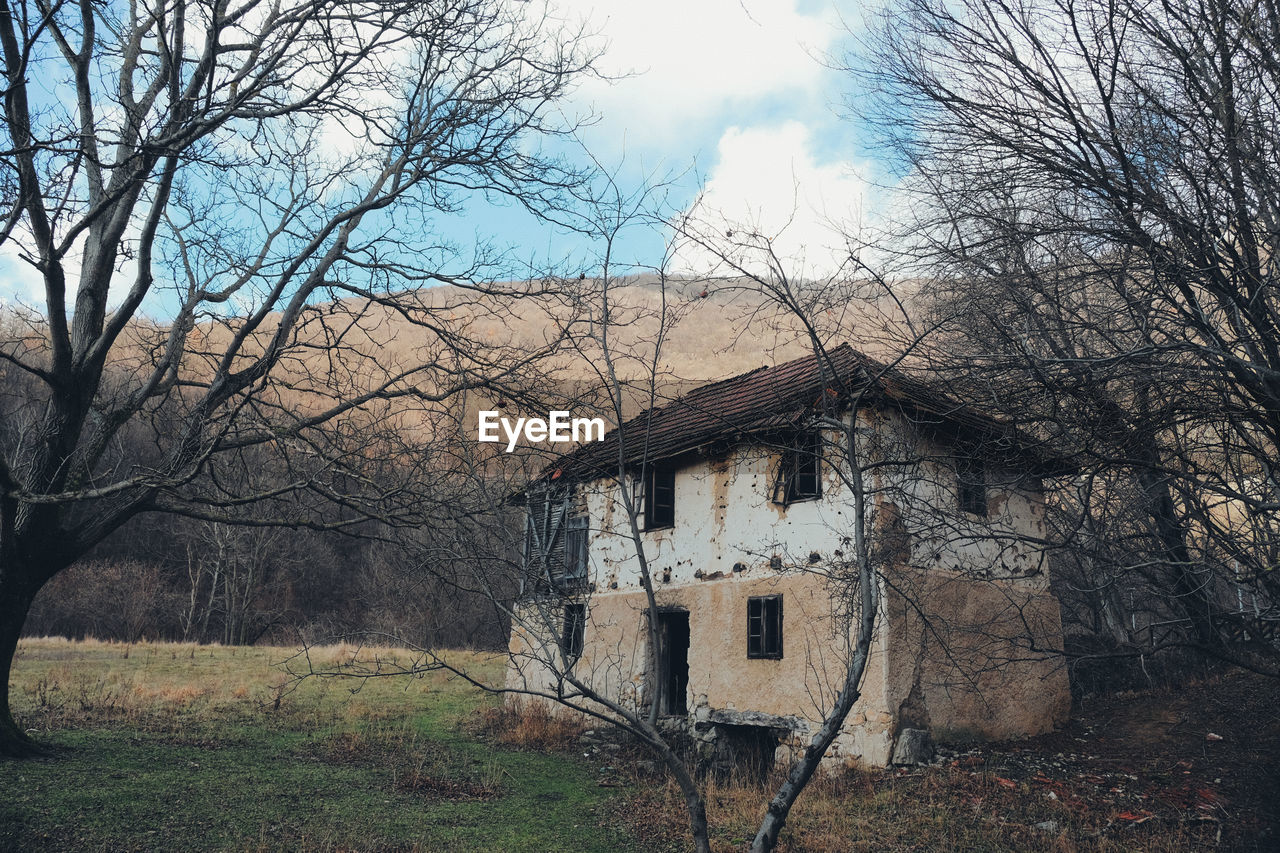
x: 800, y: 472
x: 971, y: 487
x: 659, y: 496
x: 764, y: 627
x: 575, y: 555
x: 744, y: 753
x: 573, y: 631
x: 673, y: 662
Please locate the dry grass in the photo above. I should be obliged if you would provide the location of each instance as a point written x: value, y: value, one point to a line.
x: 148, y: 685
x: 863, y: 810
x: 529, y: 725
x: 936, y: 809
x: 145, y: 711
x: 164, y: 746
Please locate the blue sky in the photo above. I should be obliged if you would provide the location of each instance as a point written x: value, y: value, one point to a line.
x: 731, y: 96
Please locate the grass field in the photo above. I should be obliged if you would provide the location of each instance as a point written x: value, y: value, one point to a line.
x: 195, y: 748
x: 165, y: 746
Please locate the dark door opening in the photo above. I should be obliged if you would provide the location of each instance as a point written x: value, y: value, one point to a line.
x: 673, y: 662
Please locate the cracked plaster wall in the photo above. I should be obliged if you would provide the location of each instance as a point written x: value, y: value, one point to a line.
x: 973, y: 670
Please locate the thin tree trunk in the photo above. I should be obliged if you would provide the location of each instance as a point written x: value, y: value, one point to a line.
x: 694, y: 803
x: 802, y: 771
x: 697, y: 808
x: 775, y: 817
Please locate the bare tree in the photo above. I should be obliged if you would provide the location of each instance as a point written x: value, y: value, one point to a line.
x: 743, y: 257
x: 573, y: 649
x: 267, y: 176
x: 1094, y: 187
x: 230, y: 571
x: 548, y: 631
x: 537, y: 578
x: 900, y: 443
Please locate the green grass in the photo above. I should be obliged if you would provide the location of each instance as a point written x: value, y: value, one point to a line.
x: 197, y: 748
x: 159, y: 746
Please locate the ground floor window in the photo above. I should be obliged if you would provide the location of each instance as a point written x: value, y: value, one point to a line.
x: 764, y: 626
x: 571, y: 633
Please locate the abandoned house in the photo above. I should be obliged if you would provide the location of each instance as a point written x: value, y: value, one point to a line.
x: 741, y: 496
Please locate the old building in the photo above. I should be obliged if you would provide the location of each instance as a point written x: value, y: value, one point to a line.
x: 742, y: 501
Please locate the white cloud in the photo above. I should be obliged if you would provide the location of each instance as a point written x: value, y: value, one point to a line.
x: 694, y: 60
x: 20, y: 282
x: 768, y: 181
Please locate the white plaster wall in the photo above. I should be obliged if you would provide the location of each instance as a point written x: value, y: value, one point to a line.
x: 724, y: 516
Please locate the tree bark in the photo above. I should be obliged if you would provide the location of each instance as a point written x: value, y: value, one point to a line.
x: 802, y: 771
x: 15, y: 603
x: 694, y: 803
x: 1188, y: 590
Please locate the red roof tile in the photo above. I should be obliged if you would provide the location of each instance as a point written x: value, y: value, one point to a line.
x: 765, y: 400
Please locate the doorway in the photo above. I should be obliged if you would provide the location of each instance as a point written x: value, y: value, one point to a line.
x: 673, y: 662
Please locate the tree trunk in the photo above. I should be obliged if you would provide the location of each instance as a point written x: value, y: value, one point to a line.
x: 802, y: 771
x: 1189, y: 590
x: 15, y: 602
x: 694, y: 803
x: 697, y: 809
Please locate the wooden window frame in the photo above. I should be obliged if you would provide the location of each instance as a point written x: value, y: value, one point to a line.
x: 804, y: 452
x: 764, y: 627
x: 659, y: 482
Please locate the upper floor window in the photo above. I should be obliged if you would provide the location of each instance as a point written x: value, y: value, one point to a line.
x: 576, y: 554
x: 800, y: 472
x: 971, y: 486
x: 764, y: 626
x: 659, y: 495
x: 556, y: 555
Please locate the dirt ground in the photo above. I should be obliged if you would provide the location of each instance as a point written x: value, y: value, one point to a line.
x: 1161, y: 771
x: 1207, y: 754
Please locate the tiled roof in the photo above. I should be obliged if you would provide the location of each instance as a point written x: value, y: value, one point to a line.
x: 762, y: 401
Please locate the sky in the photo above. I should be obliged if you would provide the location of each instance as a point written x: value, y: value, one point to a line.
x: 727, y: 102
x: 734, y: 101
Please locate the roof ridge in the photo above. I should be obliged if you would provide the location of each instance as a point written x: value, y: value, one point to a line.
x: 766, y: 399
